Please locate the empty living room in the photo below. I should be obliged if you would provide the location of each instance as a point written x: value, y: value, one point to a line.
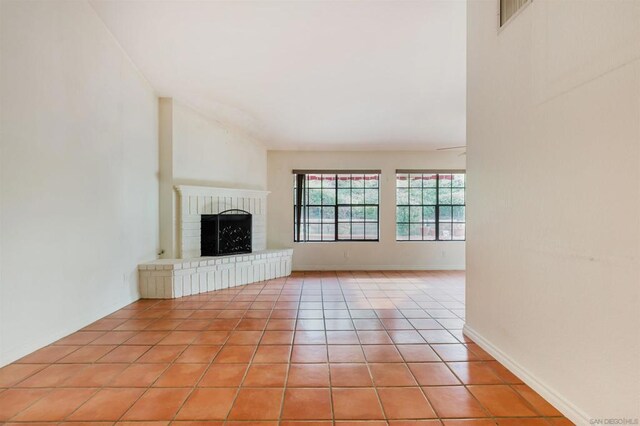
x: 320, y: 212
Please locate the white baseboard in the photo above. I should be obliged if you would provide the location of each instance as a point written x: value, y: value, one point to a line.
x: 569, y: 410
x: 378, y: 267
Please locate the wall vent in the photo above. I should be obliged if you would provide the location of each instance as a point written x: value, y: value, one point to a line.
x: 509, y: 8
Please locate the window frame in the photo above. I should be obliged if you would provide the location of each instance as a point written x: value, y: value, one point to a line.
x: 437, y: 206
x: 304, y: 234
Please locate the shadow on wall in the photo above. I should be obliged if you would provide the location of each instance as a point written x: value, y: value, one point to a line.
x: 215, y: 184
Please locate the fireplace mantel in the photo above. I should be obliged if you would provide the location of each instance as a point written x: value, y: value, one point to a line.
x: 193, y: 190
x: 194, y: 201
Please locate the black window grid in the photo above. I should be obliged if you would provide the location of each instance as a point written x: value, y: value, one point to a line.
x: 437, y: 223
x: 335, y: 221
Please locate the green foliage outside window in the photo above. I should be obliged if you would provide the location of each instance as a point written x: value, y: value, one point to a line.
x: 338, y: 207
x: 430, y: 206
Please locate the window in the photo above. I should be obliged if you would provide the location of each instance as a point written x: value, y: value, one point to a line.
x: 336, y: 205
x: 508, y: 8
x: 430, y: 206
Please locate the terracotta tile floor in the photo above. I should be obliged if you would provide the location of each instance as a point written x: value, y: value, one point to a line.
x: 384, y: 347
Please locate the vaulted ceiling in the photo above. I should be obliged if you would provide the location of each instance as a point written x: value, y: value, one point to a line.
x: 307, y: 74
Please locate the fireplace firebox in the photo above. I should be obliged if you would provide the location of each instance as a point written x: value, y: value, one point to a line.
x: 228, y: 232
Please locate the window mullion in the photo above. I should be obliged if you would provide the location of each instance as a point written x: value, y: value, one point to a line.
x: 351, y: 207
x: 306, y: 210
x: 335, y: 212
x: 422, y: 226
x: 438, y: 207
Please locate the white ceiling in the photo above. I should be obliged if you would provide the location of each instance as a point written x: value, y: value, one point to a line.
x: 307, y: 74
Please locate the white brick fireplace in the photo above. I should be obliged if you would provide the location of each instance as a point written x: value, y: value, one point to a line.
x: 191, y: 273
x: 194, y: 201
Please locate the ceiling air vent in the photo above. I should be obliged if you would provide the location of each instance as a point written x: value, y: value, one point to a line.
x: 509, y: 8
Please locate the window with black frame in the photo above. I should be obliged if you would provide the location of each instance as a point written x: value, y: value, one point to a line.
x: 430, y: 205
x: 336, y: 205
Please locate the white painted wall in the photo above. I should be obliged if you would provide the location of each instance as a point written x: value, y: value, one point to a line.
x: 553, y: 239
x: 79, y: 187
x: 197, y: 150
x: 385, y: 254
x: 206, y: 152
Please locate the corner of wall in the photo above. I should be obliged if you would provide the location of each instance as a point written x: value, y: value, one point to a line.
x: 165, y: 172
x: 572, y: 412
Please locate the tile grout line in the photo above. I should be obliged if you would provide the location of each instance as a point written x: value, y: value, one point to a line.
x: 244, y: 376
x: 373, y: 384
x: 293, y: 337
x: 150, y: 386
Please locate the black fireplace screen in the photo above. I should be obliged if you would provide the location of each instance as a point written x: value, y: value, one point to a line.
x: 228, y: 232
